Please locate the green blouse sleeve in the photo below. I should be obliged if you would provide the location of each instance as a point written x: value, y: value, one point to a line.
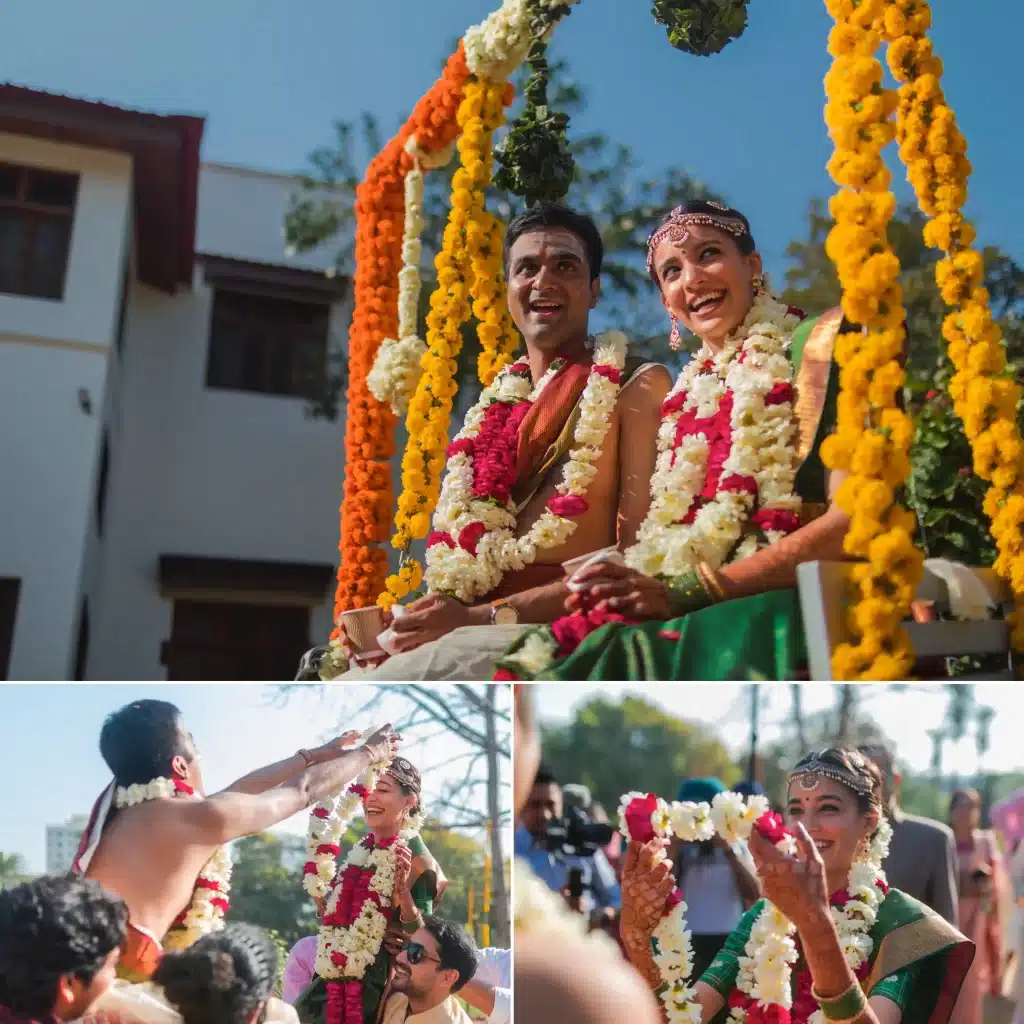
x: 722, y: 973
x: 898, y: 986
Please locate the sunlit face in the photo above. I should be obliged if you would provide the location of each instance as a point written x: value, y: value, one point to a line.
x: 543, y: 806
x: 75, y: 997
x: 424, y: 981
x: 833, y: 820
x: 550, y: 294
x: 387, y: 806
x: 964, y: 814
x: 706, y: 283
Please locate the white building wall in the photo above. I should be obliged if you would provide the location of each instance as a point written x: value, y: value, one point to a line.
x: 201, y: 471
x: 49, y: 352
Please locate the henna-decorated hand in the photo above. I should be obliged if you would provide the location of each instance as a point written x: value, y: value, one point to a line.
x: 403, y: 868
x: 646, y: 884
x: 795, y: 884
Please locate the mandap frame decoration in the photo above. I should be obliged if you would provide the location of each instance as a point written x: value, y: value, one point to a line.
x: 394, y: 373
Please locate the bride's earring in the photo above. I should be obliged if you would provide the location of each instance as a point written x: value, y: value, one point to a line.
x: 759, y: 286
x: 675, y: 342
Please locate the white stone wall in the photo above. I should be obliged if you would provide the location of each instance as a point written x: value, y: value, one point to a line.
x: 49, y: 447
x: 201, y: 471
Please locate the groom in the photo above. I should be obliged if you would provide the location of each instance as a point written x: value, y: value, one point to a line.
x: 553, y: 258
x: 151, y: 854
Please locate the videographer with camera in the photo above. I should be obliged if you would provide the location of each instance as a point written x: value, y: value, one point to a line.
x: 563, y: 847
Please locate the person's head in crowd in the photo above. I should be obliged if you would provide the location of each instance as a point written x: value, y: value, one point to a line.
x: 437, y: 961
x: 964, y: 812
x: 60, y: 939
x: 748, y: 788
x: 884, y: 757
x: 701, y: 790
x: 543, y: 805
x: 526, y: 747
x: 224, y: 978
x: 147, y: 740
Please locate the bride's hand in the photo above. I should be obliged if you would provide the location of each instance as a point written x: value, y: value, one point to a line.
x: 619, y: 588
x: 647, y: 882
x: 794, y: 883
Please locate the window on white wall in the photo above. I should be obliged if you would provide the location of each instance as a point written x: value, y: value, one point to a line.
x: 266, y: 344
x: 37, y: 210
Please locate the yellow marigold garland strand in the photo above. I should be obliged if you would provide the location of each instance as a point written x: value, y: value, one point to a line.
x: 496, y: 332
x: 480, y: 114
x: 985, y: 396
x: 873, y: 436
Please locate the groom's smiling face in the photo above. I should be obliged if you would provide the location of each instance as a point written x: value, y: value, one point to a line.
x: 550, y: 293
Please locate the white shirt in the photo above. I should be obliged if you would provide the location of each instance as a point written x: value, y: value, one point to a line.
x: 494, y: 967
x: 714, y: 905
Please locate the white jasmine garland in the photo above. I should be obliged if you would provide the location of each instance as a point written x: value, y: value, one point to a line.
x: 753, y: 359
x: 213, y: 882
x: 728, y: 815
x: 766, y: 969
x: 499, y: 44
x: 466, y: 576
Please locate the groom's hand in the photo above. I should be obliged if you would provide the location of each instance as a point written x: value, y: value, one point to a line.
x: 430, y: 618
x: 341, y: 744
x: 383, y: 745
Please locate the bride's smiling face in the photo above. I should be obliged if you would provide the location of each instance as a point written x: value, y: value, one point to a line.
x: 706, y: 283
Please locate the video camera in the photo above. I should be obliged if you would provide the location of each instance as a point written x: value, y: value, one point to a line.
x: 575, y: 834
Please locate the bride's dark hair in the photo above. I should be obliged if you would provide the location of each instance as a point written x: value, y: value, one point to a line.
x: 700, y: 211
x: 221, y: 979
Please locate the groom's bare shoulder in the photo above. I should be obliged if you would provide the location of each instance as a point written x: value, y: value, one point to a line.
x: 558, y: 980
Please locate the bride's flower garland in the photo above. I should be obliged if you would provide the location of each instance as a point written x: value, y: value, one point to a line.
x: 726, y: 452
x: 205, y: 913
x: 764, y: 993
x: 360, y: 898
x: 473, y: 543
x: 643, y: 817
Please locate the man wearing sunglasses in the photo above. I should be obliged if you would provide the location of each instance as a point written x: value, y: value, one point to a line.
x: 438, y: 960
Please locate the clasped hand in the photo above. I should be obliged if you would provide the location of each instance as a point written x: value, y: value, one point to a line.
x: 430, y: 618
x: 618, y: 588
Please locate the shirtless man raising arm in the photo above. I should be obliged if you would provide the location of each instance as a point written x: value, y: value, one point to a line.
x: 150, y: 854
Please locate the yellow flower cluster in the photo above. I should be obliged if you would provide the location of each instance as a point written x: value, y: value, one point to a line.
x: 873, y: 436
x: 480, y: 114
x: 497, y: 333
x: 984, y: 395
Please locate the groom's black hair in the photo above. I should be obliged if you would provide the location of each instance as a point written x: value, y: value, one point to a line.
x: 455, y: 948
x: 139, y: 741
x: 554, y: 215
x: 50, y: 928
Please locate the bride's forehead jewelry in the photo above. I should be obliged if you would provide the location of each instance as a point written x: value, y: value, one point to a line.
x: 809, y: 773
x: 676, y: 228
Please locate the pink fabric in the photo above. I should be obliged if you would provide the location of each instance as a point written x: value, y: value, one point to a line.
x: 300, y: 968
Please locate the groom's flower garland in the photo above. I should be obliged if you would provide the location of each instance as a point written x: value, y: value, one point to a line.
x: 726, y: 452
x: 205, y: 913
x: 473, y: 543
x: 643, y: 817
x: 764, y: 993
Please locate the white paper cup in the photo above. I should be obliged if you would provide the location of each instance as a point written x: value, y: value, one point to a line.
x: 362, y: 626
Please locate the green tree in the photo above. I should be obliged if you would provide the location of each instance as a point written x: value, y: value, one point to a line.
x: 609, y: 184
x: 11, y: 866
x: 462, y: 860
x: 633, y: 744
x: 943, y: 490
x: 266, y: 891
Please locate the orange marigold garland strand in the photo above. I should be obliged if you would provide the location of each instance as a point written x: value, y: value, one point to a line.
x: 480, y: 114
x: 369, y: 430
x: 873, y: 435
x: 985, y: 396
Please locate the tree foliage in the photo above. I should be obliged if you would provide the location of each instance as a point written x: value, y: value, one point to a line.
x: 634, y: 744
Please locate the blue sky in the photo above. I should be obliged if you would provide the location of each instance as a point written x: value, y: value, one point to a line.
x: 51, y: 765
x: 271, y: 76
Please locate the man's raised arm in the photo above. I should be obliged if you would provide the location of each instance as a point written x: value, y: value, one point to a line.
x: 232, y: 814
x: 280, y: 772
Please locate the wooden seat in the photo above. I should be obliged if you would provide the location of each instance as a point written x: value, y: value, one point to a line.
x: 827, y: 590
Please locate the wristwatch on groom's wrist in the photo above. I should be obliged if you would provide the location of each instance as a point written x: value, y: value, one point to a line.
x: 503, y: 614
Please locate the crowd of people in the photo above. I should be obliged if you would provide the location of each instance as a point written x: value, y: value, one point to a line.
x: 945, y: 944
x: 110, y: 943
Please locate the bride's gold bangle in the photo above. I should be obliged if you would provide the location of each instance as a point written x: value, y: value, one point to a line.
x: 710, y: 580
